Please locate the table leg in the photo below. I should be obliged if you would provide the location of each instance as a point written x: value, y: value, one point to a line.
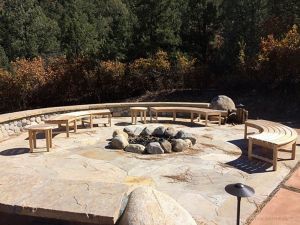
x: 174, y: 116
x: 150, y: 116
x: 135, y: 117
x: 199, y: 118
x: 192, y: 117
x: 156, y: 116
x: 145, y: 120
x: 109, y: 119
x: 220, y: 119
x: 206, y: 119
x: 30, y: 141
x: 51, y: 134
x: 75, y: 126
x: 141, y: 115
x: 131, y: 113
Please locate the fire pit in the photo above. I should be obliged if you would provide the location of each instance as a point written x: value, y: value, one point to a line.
x: 152, y: 140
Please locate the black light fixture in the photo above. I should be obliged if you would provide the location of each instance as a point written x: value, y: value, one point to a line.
x: 240, y: 191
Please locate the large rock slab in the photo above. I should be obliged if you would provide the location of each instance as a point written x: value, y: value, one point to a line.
x: 77, y: 201
x: 147, y: 206
x: 222, y: 102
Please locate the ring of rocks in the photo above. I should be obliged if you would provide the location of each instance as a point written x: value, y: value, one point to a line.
x: 151, y: 140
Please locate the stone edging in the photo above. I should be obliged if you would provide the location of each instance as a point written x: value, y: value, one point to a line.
x: 15, y: 123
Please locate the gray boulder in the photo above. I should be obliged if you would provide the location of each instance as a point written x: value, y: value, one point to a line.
x: 135, y: 148
x: 166, y: 145
x: 133, y: 130
x: 119, y: 142
x: 148, y: 130
x: 154, y: 148
x: 170, y: 132
x: 147, y: 206
x: 120, y: 132
x: 159, y: 131
x: 222, y: 102
x: 183, y: 135
x: 189, y: 142
x: 179, y: 145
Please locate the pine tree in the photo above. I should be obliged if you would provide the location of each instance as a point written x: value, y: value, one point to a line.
x: 26, y: 31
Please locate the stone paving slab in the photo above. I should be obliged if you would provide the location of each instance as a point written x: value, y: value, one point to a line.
x: 283, y: 209
x: 81, y: 201
x: 294, y: 180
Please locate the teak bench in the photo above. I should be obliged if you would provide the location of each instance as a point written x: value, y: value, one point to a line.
x: 272, y: 136
x: 192, y: 110
x: 72, y: 117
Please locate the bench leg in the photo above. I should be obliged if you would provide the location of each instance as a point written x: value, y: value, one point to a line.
x: 245, y: 132
x: 206, y: 119
x: 156, y: 116
x: 47, y: 140
x: 91, y: 121
x: 294, y: 150
x: 250, y: 146
x: 150, y: 116
x: 220, y: 120
x: 192, y: 117
x: 275, y: 154
x: 145, y: 120
x: 109, y: 119
x: 30, y: 136
x: 67, y: 129
x: 199, y: 118
x: 174, y: 116
x: 34, y: 138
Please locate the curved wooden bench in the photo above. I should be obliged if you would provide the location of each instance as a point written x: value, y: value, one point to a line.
x: 272, y: 136
x: 192, y: 110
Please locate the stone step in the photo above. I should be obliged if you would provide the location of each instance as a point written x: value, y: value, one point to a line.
x: 77, y: 201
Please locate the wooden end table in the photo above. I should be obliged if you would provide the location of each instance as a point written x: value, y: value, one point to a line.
x: 41, y: 128
x: 134, y: 112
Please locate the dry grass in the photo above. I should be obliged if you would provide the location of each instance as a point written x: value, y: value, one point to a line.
x: 186, y: 176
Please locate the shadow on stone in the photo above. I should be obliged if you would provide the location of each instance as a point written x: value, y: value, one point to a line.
x: 123, y: 124
x: 254, y: 166
x: 244, y: 164
x: 14, y: 151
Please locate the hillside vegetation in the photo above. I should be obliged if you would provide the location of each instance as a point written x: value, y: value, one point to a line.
x: 59, y: 52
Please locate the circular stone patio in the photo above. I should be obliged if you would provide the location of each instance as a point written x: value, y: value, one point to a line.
x: 81, y: 179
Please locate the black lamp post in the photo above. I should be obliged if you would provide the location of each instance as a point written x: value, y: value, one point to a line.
x: 239, y: 190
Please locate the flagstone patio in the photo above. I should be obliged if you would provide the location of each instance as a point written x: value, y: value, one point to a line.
x: 82, y: 180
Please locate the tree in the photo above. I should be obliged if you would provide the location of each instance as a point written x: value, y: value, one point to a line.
x: 26, y: 31
x: 200, y: 24
x: 158, y: 25
x: 241, y: 21
x: 79, y: 35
